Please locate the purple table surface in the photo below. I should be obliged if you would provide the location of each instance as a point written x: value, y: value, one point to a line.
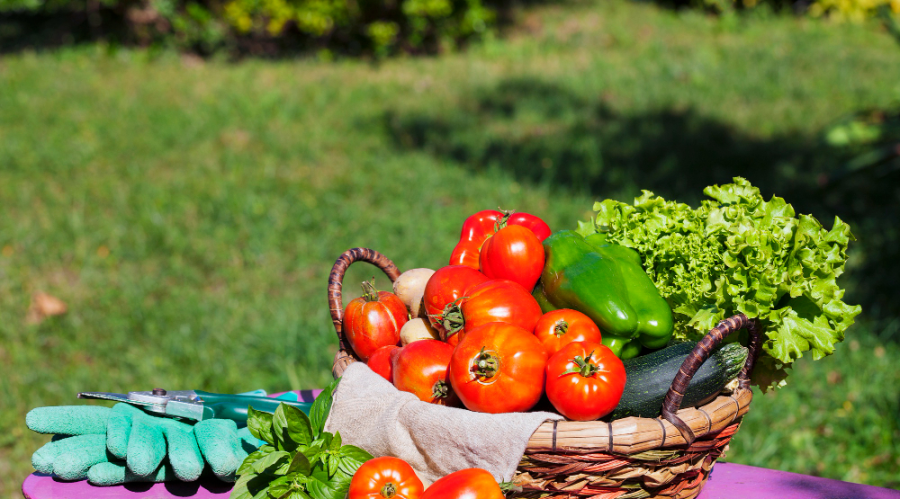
x: 739, y: 481
x: 728, y: 481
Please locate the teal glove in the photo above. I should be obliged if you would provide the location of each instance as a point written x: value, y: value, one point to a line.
x: 69, y: 457
x: 100, y: 436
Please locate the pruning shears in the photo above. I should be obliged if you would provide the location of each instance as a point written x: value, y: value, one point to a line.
x: 197, y: 405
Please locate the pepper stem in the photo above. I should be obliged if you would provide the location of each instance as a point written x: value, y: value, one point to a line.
x: 560, y: 328
x: 369, y: 291
x: 389, y: 490
x: 486, y: 364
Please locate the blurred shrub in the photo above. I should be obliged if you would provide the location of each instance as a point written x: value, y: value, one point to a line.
x: 853, y: 10
x: 377, y: 27
x: 841, y: 10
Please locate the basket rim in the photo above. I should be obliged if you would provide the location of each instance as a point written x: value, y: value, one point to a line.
x: 636, y: 434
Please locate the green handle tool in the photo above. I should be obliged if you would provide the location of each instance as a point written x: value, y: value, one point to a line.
x: 197, y: 405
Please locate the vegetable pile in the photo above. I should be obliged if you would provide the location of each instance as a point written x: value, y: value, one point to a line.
x: 740, y: 253
x: 599, y: 320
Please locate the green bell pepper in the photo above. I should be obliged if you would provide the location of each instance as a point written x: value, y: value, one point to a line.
x: 605, y: 282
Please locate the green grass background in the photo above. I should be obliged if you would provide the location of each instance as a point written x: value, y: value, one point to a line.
x: 189, y: 213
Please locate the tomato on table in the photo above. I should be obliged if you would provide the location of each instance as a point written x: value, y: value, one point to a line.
x: 470, y: 483
x: 385, y: 478
x: 557, y: 328
x: 373, y: 320
x: 498, y: 368
x: 585, y: 381
x: 422, y: 368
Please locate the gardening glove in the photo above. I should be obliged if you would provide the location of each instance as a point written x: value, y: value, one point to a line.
x: 125, y: 444
x: 143, y: 440
x: 79, y: 443
x: 217, y: 441
x: 100, y: 435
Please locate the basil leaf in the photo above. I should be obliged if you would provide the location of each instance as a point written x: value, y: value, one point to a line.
x: 240, y: 490
x: 292, y: 427
x: 269, y: 461
x: 299, y: 494
x: 322, y: 406
x: 328, y: 490
x: 300, y: 464
x: 251, y: 487
x: 246, y: 466
x: 325, y: 440
x: 260, y: 425
x: 279, y: 429
x: 332, y: 465
x: 335, y: 441
x: 351, y: 458
x: 284, y: 468
x: 280, y: 487
x: 313, y: 448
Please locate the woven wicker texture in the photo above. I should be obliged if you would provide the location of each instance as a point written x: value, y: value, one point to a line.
x: 632, y: 458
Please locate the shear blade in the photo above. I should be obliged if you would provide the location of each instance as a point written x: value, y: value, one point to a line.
x: 116, y: 397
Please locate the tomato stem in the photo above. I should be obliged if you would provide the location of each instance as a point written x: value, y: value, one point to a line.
x: 486, y: 364
x: 452, y: 318
x: 584, y: 367
x: 369, y: 291
x: 503, y: 221
x: 389, y: 490
x: 440, y: 390
x: 560, y: 328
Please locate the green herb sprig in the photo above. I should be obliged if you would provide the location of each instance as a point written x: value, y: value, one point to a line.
x: 300, y: 460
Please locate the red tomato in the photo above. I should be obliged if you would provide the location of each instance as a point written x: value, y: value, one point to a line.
x: 373, y: 321
x: 385, y: 477
x: 447, y: 286
x: 497, y: 368
x: 422, y: 368
x: 471, y: 483
x: 560, y: 327
x: 482, y: 225
x: 497, y: 300
x: 380, y: 361
x: 513, y: 253
x: 585, y: 381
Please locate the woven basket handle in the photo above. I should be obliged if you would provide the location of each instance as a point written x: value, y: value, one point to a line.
x: 699, y: 355
x: 345, y: 355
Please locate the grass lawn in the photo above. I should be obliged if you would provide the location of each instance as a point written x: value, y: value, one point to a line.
x: 189, y: 213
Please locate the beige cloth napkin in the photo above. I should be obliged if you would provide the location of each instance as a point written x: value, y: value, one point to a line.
x: 435, y: 440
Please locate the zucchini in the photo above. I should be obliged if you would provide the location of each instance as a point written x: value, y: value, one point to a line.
x: 648, y: 378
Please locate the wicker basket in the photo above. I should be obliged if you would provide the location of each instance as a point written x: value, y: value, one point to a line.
x: 630, y: 458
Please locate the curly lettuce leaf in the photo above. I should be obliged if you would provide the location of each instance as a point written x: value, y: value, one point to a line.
x: 740, y: 253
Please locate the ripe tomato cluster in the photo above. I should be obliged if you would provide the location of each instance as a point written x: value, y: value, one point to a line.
x: 389, y: 477
x: 497, y: 351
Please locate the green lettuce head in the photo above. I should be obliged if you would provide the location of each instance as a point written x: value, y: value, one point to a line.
x: 740, y: 253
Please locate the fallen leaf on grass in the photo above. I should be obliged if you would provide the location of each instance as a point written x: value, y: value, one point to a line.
x: 43, y: 306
